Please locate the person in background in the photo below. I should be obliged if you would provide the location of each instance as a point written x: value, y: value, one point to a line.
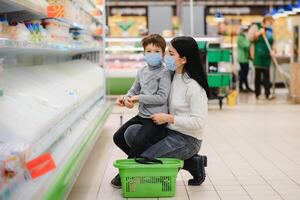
x: 262, y: 56
x: 243, y: 45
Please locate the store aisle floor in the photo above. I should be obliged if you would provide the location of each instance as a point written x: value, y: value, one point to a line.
x: 252, y: 149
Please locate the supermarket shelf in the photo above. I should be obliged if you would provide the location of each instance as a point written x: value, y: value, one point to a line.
x: 19, y: 5
x: 57, y: 184
x: 124, y: 49
x: 92, y: 3
x: 13, y: 46
x: 198, y: 39
x: 77, y: 25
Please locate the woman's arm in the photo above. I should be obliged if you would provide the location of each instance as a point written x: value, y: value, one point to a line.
x: 162, y: 118
x: 195, y: 119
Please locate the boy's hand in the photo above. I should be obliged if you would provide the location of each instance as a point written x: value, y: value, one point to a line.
x: 120, y: 101
x: 134, y: 99
x: 128, y: 104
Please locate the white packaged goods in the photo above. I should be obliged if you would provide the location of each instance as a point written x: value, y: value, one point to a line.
x: 40, y: 104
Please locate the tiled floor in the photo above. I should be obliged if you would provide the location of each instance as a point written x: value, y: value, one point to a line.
x: 253, y: 152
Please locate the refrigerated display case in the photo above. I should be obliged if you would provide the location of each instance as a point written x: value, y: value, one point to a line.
x: 53, y: 96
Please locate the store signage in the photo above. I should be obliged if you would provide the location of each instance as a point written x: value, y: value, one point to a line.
x: 230, y: 10
x: 128, y: 11
x: 236, y: 10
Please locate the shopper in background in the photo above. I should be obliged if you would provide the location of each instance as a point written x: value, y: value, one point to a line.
x: 262, y: 56
x: 151, y: 89
x: 243, y: 45
x: 188, y: 110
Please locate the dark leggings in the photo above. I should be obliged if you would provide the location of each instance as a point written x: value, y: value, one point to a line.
x: 244, y: 75
x: 149, y: 134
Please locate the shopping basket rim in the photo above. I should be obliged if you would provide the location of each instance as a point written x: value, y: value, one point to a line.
x: 130, y: 163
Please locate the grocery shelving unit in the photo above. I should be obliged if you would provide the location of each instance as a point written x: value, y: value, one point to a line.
x: 14, y: 46
x: 35, y: 10
x: 55, y: 94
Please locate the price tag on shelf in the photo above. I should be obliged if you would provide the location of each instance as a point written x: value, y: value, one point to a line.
x: 40, y: 165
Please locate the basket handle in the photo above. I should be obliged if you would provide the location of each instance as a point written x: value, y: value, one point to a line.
x: 146, y: 160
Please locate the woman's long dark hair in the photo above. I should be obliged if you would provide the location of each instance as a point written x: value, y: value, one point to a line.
x: 187, y: 47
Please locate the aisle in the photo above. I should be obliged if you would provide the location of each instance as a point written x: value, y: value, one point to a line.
x: 253, y: 153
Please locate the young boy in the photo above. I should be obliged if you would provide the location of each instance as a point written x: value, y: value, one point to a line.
x: 151, y: 89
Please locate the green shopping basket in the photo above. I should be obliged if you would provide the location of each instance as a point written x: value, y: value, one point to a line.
x: 148, y: 180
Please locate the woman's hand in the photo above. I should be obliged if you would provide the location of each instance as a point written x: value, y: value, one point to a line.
x: 162, y: 118
x: 128, y: 104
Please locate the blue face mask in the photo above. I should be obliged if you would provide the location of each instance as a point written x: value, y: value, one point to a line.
x: 170, y: 63
x: 153, y: 59
x: 269, y: 32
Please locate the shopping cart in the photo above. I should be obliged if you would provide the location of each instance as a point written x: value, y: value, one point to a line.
x: 219, y: 82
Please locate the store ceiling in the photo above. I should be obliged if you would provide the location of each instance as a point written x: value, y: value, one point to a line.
x: 201, y: 2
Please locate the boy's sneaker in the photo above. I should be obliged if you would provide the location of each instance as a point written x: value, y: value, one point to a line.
x: 116, y: 182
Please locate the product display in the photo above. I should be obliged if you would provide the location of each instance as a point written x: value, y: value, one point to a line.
x: 75, y: 90
x: 57, y: 31
x: 46, y: 34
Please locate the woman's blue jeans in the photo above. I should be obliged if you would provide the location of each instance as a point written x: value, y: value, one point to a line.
x: 174, y: 145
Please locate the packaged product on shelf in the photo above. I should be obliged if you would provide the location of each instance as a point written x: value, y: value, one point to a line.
x: 70, y: 9
x: 96, y: 30
x: 12, y: 165
x: 3, y: 27
x: 82, y: 36
x: 58, y: 31
x: 23, y: 33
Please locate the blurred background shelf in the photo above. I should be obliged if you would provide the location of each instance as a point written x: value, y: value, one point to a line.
x: 12, y: 46
x: 24, y: 9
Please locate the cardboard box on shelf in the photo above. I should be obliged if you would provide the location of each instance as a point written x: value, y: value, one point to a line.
x: 55, y: 11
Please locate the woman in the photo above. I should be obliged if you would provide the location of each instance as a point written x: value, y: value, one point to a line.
x: 188, y: 112
x: 243, y: 46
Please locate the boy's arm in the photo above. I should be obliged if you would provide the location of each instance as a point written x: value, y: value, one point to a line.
x: 162, y: 94
x: 135, y: 88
